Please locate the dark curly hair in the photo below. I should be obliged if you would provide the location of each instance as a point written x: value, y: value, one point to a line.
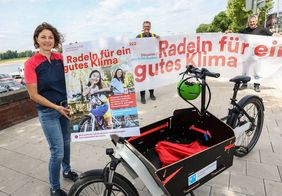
x: 122, y: 76
x: 57, y: 36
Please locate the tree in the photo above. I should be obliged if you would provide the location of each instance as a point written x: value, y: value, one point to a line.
x: 220, y: 23
x: 202, y: 28
x: 237, y: 12
x: 9, y: 54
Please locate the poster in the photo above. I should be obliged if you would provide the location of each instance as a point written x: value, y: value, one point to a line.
x: 100, y: 89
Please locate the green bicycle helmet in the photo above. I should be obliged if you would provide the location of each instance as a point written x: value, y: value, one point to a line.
x: 189, y: 90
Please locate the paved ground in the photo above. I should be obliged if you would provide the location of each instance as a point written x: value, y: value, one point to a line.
x: 24, y: 152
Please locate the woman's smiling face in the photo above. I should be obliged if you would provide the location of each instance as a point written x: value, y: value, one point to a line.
x: 46, y: 40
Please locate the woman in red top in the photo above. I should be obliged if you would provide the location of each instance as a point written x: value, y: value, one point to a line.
x: 45, y: 82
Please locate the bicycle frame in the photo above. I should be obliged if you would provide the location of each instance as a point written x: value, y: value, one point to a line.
x: 236, y: 108
x: 94, y: 119
x: 136, y: 167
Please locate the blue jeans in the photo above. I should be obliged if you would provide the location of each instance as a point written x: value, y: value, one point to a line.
x: 57, y: 132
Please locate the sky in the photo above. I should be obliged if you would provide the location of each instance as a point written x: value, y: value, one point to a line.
x: 86, y: 20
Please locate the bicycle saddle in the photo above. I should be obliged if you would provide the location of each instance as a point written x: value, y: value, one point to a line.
x: 238, y: 79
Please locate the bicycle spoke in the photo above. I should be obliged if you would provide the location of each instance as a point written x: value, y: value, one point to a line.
x: 98, y: 188
x: 246, y: 141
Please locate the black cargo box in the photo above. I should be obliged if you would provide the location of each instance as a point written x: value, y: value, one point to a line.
x: 183, y: 176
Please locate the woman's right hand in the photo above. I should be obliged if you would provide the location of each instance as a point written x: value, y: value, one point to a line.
x: 64, y: 111
x: 92, y: 83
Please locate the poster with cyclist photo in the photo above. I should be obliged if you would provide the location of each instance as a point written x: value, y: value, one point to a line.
x: 100, y: 89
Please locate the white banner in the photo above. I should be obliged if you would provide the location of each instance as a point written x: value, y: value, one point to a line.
x: 158, y: 63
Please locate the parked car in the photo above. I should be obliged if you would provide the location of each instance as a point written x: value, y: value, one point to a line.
x: 3, y: 89
x: 4, y: 76
x: 19, y: 78
x: 10, y: 84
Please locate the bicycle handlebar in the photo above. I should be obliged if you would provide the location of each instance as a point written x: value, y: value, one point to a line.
x: 101, y: 92
x: 200, y: 73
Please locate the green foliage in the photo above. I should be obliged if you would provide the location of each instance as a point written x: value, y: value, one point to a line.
x: 14, y: 54
x: 263, y: 11
x: 202, y: 28
x: 237, y: 12
x: 128, y: 80
x: 234, y: 18
x: 220, y: 23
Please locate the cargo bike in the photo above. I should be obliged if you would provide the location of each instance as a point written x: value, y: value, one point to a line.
x: 235, y: 134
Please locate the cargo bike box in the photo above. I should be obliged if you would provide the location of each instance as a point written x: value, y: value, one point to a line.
x: 185, y: 175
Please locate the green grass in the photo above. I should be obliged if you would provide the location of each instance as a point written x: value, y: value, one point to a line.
x: 13, y: 60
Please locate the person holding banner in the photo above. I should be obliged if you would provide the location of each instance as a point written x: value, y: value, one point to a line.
x: 45, y: 83
x: 146, y: 33
x: 96, y: 87
x: 253, y: 29
x: 117, y: 81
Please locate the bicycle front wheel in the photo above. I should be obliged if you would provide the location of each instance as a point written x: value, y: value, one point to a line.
x: 85, y: 125
x: 93, y: 185
x: 247, y: 140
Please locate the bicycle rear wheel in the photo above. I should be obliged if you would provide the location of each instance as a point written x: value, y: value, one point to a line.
x: 246, y: 141
x: 93, y: 185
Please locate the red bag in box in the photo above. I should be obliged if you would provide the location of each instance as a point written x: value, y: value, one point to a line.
x: 171, y: 152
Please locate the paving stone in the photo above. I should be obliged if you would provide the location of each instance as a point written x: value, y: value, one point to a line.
x: 18, y: 162
x: 254, y: 156
x: 266, y: 171
x: 65, y: 183
x: 40, y: 172
x: 246, y: 185
x: 216, y: 191
x: 280, y: 171
x: 275, y: 136
x: 270, y: 124
x: 3, y: 194
x: 277, y: 145
x: 35, y: 149
x: 264, y: 143
x: 273, y: 188
x: 221, y: 180
x: 274, y: 158
x: 20, y: 133
x: 88, y: 159
x: 203, y: 190
x: 279, y: 122
x: 33, y: 188
x: 273, y: 129
x: 12, y: 143
x: 11, y: 180
x: 239, y: 167
x: 94, y: 152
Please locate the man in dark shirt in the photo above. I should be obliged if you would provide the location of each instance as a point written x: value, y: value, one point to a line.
x: 146, y: 33
x: 253, y: 29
